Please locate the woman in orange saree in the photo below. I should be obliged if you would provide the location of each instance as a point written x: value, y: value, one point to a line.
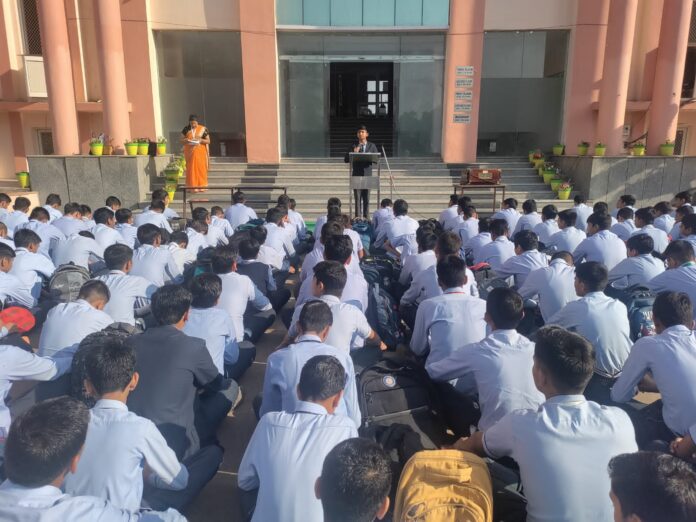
x: 195, y: 138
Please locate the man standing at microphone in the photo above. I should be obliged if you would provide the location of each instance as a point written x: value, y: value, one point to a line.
x: 362, y: 168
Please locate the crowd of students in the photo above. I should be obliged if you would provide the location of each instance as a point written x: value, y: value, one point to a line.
x: 519, y: 318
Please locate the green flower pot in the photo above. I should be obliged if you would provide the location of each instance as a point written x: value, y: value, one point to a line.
x: 143, y: 149
x: 638, y: 151
x: 531, y: 156
x: 600, y: 151
x: 558, y: 150
x: 97, y: 149
x: 555, y: 183
x: 539, y: 162
x: 23, y: 178
x: 667, y: 150
x: 582, y: 150
x: 548, y: 176
x: 172, y: 176
x: 131, y: 149
x: 564, y: 194
x: 161, y: 149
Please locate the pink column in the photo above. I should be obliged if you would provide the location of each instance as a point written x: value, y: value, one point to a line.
x: 113, y: 72
x: 669, y: 72
x: 617, y: 66
x: 57, y: 64
x: 464, y: 49
x: 585, y: 72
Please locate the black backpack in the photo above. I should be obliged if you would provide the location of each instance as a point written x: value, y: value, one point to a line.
x: 639, y: 302
x: 383, y: 317
x: 382, y: 270
x: 66, y: 281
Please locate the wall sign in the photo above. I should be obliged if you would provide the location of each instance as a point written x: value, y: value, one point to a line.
x: 462, y: 118
x: 462, y: 107
x: 463, y: 95
x: 465, y: 70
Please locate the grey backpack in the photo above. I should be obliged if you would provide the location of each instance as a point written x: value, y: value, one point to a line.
x: 66, y: 282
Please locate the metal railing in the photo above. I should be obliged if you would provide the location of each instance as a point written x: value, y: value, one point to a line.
x: 185, y: 190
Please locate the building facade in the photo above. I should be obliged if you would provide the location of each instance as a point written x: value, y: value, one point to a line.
x: 454, y: 79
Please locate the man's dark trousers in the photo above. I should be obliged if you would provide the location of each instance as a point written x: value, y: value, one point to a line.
x: 362, y: 201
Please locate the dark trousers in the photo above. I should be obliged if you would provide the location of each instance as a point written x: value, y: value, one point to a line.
x: 211, y: 408
x: 362, y: 201
x: 408, y: 314
x: 256, y: 323
x: 201, y: 467
x: 649, y: 425
x: 286, y: 316
x: 460, y: 411
x: 599, y: 390
x: 247, y: 355
x: 278, y: 298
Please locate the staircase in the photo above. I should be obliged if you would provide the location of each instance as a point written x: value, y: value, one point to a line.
x: 342, y: 135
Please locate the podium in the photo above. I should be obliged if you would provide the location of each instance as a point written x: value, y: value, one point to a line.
x: 363, y: 182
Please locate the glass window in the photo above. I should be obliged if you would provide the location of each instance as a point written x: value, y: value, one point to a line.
x: 346, y: 12
x: 316, y: 12
x: 409, y: 12
x: 290, y: 11
x: 436, y: 13
x: 378, y: 12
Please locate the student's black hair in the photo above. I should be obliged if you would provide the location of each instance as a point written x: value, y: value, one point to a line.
x: 321, y: 377
x: 71, y: 208
x: 527, y: 240
x: 199, y: 214
x: 283, y: 200
x: 259, y: 233
x: 679, y: 250
x: 238, y: 197
x: 568, y: 357
x: 4, y: 198
x: 684, y: 195
x: 44, y: 440
x: 21, y: 203
x: 170, y: 303
x: 86, y: 233
x: 328, y: 229
x: 85, y: 209
x: 39, y: 214
x: 94, y: 289
x: 249, y: 249
x: 628, y: 199
x: 116, y: 256
x: 332, y: 275
x: 641, y: 243
x: 274, y: 215
x: 625, y: 213
x: 529, y: 206
x: 123, y: 215
x: 333, y: 212
x: 333, y: 201
x: 579, y: 199
x: 223, y: 258
x: 386, y: 202
x: 600, y: 219
x: 355, y: 479
x: 426, y: 241
x: 160, y: 194
x: 110, y: 365
x: 53, y: 199
x: 484, y: 225
x: 505, y: 308
x: 215, y: 210
x: 179, y: 237
x: 6, y: 252
x: 510, y: 202
x: 24, y: 237
x: 199, y: 226
x: 654, y: 486
x: 315, y: 316
x: 469, y: 211
x: 663, y: 207
x: 463, y: 202
x: 685, y: 210
x: 400, y: 207
x: 448, y: 243
x: 673, y: 308
x: 568, y: 216
x: 102, y: 215
x: 166, y: 236
x: 148, y: 234
x: 565, y: 255
x: 111, y: 201
x: 453, y: 199
x: 498, y: 227
x: 451, y: 272
x: 600, y: 206
x: 157, y: 204
x: 593, y: 275
x: 689, y: 222
x: 283, y: 210
x: 205, y: 290
x: 549, y: 212
x: 645, y: 215
x: 338, y: 248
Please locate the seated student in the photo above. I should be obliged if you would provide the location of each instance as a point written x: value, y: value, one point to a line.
x: 663, y: 216
x: 105, y: 232
x: 358, y: 248
x: 125, y: 227
x: 239, y: 213
x: 178, y: 379
x: 582, y: 212
x: 178, y: 247
x: 568, y: 237
x: 469, y: 225
x: 355, y: 482
x: 260, y: 274
x: 644, y: 225
x: 134, y: 443
x: 640, y: 266
x: 317, y: 254
x: 497, y: 369
x: 86, y: 213
x: 472, y: 248
x: 80, y: 249
x: 687, y: 229
x: 680, y: 199
x: 548, y: 226
x: 239, y: 295
x: 601, y: 320
x: 680, y: 275
x: 624, y: 201
x: 679, y: 215
x: 53, y: 206
x: 321, y: 220
x: 601, y: 207
x: 5, y: 202
x: 215, y: 235
x: 425, y: 258
x: 197, y: 233
x: 666, y: 364
x: 212, y: 324
x: 288, y: 447
x: 30, y: 267
x: 278, y: 237
x: 453, y: 223
x: 529, y: 219
x: 68, y: 323
x: 217, y: 219
x: 601, y: 246
x: 333, y: 215
x: 563, y: 446
x: 12, y: 290
x: 154, y: 215
x: 18, y: 216
x: 71, y: 222
x: 625, y: 225
x: 401, y: 232
x: 384, y: 213
x: 284, y: 365
x: 113, y: 203
x: 296, y: 219
x: 350, y: 327
x: 526, y: 259
x: 153, y: 262
x: 509, y: 213
x: 39, y: 222
x: 553, y: 286
x: 449, y: 321
x: 290, y: 228
x: 268, y: 255
x: 452, y: 210
x: 163, y: 196
x: 43, y: 448
x: 128, y: 293
x: 500, y: 249
x: 4, y: 238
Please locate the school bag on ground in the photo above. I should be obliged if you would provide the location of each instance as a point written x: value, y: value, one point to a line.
x: 364, y: 229
x: 65, y: 283
x: 444, y: 486
x: 639, y: 302
x: 383, y: 317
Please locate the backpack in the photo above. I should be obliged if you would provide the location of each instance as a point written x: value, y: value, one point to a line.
x: 444, y: 485
x: 487, y: 285
x: 364, y: 230
x: 383, y: 317
x: 252, y: 223
x: 65, y: 283
x: 387, y: 271
x: 639, y: 302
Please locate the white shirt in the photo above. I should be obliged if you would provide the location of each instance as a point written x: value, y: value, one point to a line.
x: 53, y: 213
x: 566, y: 240
x: 216, y: 328
x: 77, y: 249
x: 355, y: 291
x: 14, y: 220
x: 665, y: 222
x: 271, y: 257
x: 68, y: 323
x: 682, y: 279
x: 49, y: 235
x: 239, y: 214
x: 298, y: 221
x: 129, y: 233
x: 107, y: 236
x: 526, y: 222
x: 153, y: 218
x: 157, y: 265
x: 425, y: 285
x: 316, y: 256
x: 445, y: 323
x: 453, y: 222
x: 380, y: 216
x: 31, y: 269
x: 520, y: 266
x: 691, y: 239
x: 660, y: 238
x: 69, y: 225
x: 498, y: 370
x: 496, y: 252
x: 168, y: 212
x: 117, y: 474
x: 675, y: 233
x: 223, y: 224
x: 13, y: 291
x: 582, y: 212
x: 182, y: 257
x: 476, y: 243
x: 554, y: 286
x: 216, y: 236
x: 636, y: 270
x: 321, y: 221
x: 603, y: 247
x: 448, y: 213
x: 510, y: 215
x: 467, y: 229
x: 415, y: 264
x: 279, y: 240
x: 401, y: 233
x: 196, y: 242
x: 285, y: 456
x: 603, y: 321
x: 237, y: 291
x: 128, y: 293
x: 623, y: 229
x: 545, y: 230
x: 563, y: 449
x: 355, y: 238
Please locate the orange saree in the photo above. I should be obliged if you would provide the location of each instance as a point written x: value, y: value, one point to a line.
x: 196, y: 155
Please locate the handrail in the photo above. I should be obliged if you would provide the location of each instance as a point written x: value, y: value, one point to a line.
x: 391, y: 177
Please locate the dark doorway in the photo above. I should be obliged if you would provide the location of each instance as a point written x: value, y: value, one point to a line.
x: 361, y: 94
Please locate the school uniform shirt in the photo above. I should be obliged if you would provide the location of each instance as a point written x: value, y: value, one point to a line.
x: 467, y: 229
x: 401, y: 234
x: 107, y: 236
x: 415, y: 264
x: 603, y: 321
x: 53, y: 213
x: 355, y: 291
x: 682, y: 279
x: 296, y: 219
x: 283, y: 375
x: 157, y: 265
x: 496, y: 252
x: 222, y: 224
x: 638, y: 270
x: 659, y: 237
x: 445, y: 323
x: 89, y: 224
x: 284, y: 458
x: 475, y: 244
x: 510, y: 215
x: 675, y: 233
x: 665, y: 222
x: 553, y: 286
x: 453, y: 223
x: 13, y: 220
x: 49, y: 235
x: 497, y: 370
x: 545, y: 230
x: 582, y: 212
x: 216, y: 328
x: 448, y: 213
x: 566, y: 240
x: 691, y: 239
x: 604, y: 247
x: 237, y: 292
x: 279, y: 240
x: 215, y: 237
x: 624, y: 229
x: 168, y: 212
x: 13, y: 291
x: 79, y: 250
x: 196, y: 241
x: 3, y: 212
x: 321, y: 221
x: 355, y: 239
x: 520, y: 266
x: 117, y: 474
x: 50, y: 504
x: 379, y: 217
x: 153, y: 218
x: 526, y: 222
x: 31, y: 269
x: 128, y: 294
x: 69, y: 225
x: 425, y: 285
x: 129, y: 233
x: 9, y: 242
x: 239, y: 214
x: 563, y: 449
x: 615, y: 212
x: 68, y: 323
x: 349, y: 329
x: 272, y: 257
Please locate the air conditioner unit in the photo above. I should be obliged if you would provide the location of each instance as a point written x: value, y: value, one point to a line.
x: 35, y: 77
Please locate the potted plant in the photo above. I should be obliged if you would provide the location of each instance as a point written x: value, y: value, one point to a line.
x: 161, y: 146
x: 558, y: 149
x: 171, y: 189
x: 638, y: 148
x: 96, y: 146
x: 667, y: 148
x: 531, y: 156
x: 555, y: 183
x: 550, y: 174
x: 538, y: 159
x: 583, y: 147
x: 108, y: 146
x: 131, y: 147
x: 600, y: 149
x: 181, y: 163
x: 23, y: 178
x: 143, y: 146
x: 564, y: 190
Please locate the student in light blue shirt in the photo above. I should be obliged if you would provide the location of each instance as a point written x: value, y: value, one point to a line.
x: 663, y: 217
x: 548, y: 226
x: 125, y: 227
x: 625, y: 225
x: 601, y: 245
x: 469, y: 226
x: 52, y: 206
x: 529, y: 219
x: 687, y: 228
x: 71, y: 222
x: 500, y: 249
x: 154, y: 215
x: 640, y: 266
x: 425, y: 258
x: 287, y: 450
x: 50, y: 235
x: 18, y: 216
x: 283, y: 366
x: 680, y: 275
x: 582, y: 212
x: 624, y: 201
x: 163, y: 196
x: 680, y: 213
x: 568, y: 237
x: 217, y: 219
x: 509, y: 213
x: 526, y: 259
x: 152, y: 262
x: 472, y: 248
x: 553, y: 286
x: 644, y: 225
x: 238, y: 213
x: 30, y: 267
x: 12, y: 290
x: 105, y: 232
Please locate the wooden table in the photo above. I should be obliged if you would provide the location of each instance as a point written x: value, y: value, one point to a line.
x: 232, y: 188
x: 460, y: 189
